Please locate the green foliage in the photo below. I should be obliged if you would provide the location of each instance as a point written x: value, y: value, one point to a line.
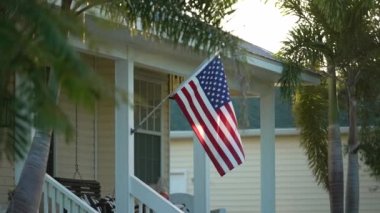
x: 196, y: 22
x: 369, y: 115
x: 33, y: 52
x: 303, y: 49
x: 310, y: 109
x: 370, y: 147
x: 290, y: 79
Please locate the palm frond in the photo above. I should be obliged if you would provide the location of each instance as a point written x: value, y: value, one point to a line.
x: 194, y: 23
x: 310, y: 111
x: 35, y: 37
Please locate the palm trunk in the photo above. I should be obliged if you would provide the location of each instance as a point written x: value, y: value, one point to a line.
x: 335, y: 161
x: 352, y: 187
x: 27, y: 195
x: 28, y: 192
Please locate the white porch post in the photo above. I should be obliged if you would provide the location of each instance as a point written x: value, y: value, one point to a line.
x: 201, y: 178
x: 267, y: 144
x: 124, y: 140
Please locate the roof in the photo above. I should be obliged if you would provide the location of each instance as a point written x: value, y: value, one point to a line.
x: 259, y: 51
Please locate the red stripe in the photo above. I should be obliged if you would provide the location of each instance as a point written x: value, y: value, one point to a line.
x: 207, y: 131
x: 232, y: 113
x: 214, y: 124
x: 233, y: 131
x: 201, y: 139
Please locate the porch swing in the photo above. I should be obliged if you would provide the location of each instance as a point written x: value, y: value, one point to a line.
x: 80, y: 187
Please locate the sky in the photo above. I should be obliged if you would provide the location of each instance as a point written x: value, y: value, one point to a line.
x: 259, y: 23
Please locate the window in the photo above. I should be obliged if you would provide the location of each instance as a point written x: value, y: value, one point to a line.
x: 148, y: 136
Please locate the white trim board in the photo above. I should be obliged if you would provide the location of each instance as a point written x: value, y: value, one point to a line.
x: 247, y: 132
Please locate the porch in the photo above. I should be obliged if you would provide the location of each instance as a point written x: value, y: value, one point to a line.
x: 125, y: 164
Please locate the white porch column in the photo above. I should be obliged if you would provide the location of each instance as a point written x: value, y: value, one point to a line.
x: 268, y: 178
x: 124, y: 140
x: 201, y: 178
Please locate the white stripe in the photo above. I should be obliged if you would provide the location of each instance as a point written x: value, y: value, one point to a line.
x: 232, y: 140
x: 233, y: 126
x: 221, y: 124
x: 199, y: 127
x: 213, y: 132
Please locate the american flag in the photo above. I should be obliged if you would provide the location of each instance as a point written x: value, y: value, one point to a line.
x: 205, y: 100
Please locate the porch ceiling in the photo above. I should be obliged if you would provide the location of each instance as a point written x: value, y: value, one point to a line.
x: 161, y: 56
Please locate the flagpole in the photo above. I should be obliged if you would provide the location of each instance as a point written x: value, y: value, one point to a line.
x: 200, y: 67
x: 150, y: 114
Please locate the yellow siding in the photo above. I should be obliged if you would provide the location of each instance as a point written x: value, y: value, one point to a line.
x: 181, y: 157
x: 296, y: 191
x: 7, y: 181
x: 66, y: 156
x: 85, y: 121
x: 239, y: 190
x: 106, y: 132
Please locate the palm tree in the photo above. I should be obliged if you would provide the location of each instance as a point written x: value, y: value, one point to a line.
x: 310, y: 48
x: 34, y: 36
x: 337, y: 36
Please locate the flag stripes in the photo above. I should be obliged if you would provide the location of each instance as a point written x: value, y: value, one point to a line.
x: 222, y: 127
x: 219, y: 136
x: 210, y: 150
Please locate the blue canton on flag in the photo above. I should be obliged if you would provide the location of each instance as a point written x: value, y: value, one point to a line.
x: 214, y: 83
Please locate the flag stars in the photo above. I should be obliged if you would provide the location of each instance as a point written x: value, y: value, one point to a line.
x: 214, y: 84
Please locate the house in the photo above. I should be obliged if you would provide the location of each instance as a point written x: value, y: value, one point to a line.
x: 125, y: 163
x: 239, y: 191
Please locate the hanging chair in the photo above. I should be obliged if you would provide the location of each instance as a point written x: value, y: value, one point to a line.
x: 81, y: 187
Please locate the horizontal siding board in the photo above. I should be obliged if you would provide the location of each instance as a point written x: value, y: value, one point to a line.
x: 296, y: 190
x: 106, y: 132
x: 7, y: 181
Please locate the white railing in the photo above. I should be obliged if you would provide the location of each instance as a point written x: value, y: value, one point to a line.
x: 57, y: 198
x: 149, y: 200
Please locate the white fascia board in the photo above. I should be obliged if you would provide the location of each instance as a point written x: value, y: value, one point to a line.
x: 163, y: 63
x: 277, y: 68
x: 248, y: 132
x: 107, y: 52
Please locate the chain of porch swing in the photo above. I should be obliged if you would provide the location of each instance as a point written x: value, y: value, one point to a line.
x: 76, y: 145
x: 77, y: 172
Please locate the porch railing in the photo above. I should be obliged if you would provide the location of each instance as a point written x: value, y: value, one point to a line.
x: 149, y: 200
x: 57, y: 198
